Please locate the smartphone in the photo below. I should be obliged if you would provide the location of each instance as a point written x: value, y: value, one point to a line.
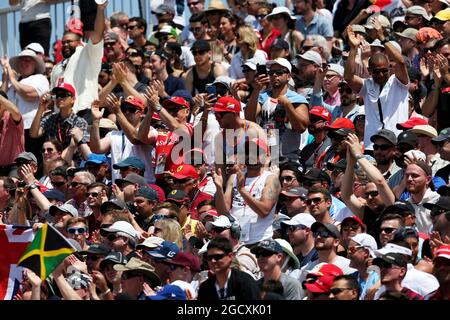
x: 211, y: 89
x: 261, y: 69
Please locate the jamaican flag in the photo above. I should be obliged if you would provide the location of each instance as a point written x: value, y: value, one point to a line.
x: 48, y: 249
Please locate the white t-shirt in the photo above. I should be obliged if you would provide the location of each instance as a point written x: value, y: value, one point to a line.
x: 394, y: 104
x: 423, y: 217
x: 122, y: 148
x: 33, y: 10
x: 253, y: 227
x: 82, y: 72
x: 28, y: 108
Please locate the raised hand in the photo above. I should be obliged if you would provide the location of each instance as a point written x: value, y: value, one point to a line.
x: 217, y: 178
x: 260, y: 82
x: 77, y: 134
x: 32, y: 277
x: 113, y: 103
x: 151, y: 94
x: 352, y: 39
x: 119, y: 71
x: 27, y: 173
x: 97, y: 114
x: 353, y: 144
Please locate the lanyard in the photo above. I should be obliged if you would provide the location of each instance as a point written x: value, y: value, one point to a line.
x: 123, y: 143
x: 58, y: 127
x: 251, y: 188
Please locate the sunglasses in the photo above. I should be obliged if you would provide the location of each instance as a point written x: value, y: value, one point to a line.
x: 80, y: 230
x: 49, y: 150
x: 287, y: 178
x: 294, y: 228
x: 336, y: 291
x: 410, y: 17
x: 74, y: 184
x: 437, y: 211
x: 133, y: 54
x: 382, y: 147
x: 350, y: 227
x: 323, y: 233
x: 111, y: 237
x: 388, y: 230
x: 199, y: 52
x: 277, y: 72
x: 371, y: 194
x: 193, y: 3
x: 21, y: 163
x: 314, y: 201
x: 264, y: 253
x: 215, y: 257
x: 93, y: 194
x: 62, y: 95
x: 386, y: 265
x: 58, y: 183
x: 132, y: 27
x: 352, y: 250
x: 127, y: 108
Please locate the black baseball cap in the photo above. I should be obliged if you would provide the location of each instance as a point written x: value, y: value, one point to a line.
x: 443, y: 136
x: 407, y: 137
x: 443, y: 203
x: 401, y: 207
x: 329, y: 226
x: 392, y: 258
x: 201, y: 45
x: 315, y: 174
x: 341, y: 164
x: 385, y: 134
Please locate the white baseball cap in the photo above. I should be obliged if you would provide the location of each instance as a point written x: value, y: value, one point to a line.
x: 220, y: 222
x: 150, y: 243
x: 312, y: 56
x: 367, y: 241
x: 280, y: 61
x: 122, y: 226
x: 36, y: 47
x: 393, y: 248
x: 304, y: 219
x: 336, y: 68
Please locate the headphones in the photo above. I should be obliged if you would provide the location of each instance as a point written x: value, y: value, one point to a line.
x: 235, y: 229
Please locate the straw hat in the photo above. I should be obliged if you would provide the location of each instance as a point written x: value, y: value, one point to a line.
x: 40, y: 66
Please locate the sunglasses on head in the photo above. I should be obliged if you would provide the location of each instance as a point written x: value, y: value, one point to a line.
x: 382, y: 147
x: 323, y: 233
x: 314, y: 201
x: 128, y: 108
x: 215, y: 257
x: 277, y: 72
x: 79, y: 230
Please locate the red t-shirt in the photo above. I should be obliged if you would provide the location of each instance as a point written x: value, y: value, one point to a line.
x: 12, y: 140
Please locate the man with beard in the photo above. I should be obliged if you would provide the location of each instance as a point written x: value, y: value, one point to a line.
x: 319, y: 117
x: 418, y: 179
x: 384, y: 142
x: 77, y: 192
x: 377, y: 194
x: 96, y: 195
x: 279, y: 108
x: 82, y: 63
x: 204, y: 71
x: 319, y: 203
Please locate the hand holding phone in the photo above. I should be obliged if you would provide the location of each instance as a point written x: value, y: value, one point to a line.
x: 211, y: 90
x: 261, y: 69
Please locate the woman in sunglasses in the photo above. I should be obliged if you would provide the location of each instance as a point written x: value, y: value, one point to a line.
x: 51, y: 153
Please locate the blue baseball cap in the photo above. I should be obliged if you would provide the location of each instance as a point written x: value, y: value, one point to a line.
x: 97, y: 158
x: 130, y: 162
x: 166, y: 250
x: 169, y: 292
x: 52, y: 194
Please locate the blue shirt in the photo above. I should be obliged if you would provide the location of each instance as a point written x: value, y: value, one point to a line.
x: 365, y: 285
x: 319, y: 25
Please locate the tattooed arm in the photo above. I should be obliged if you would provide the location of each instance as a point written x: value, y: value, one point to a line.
x: 268, y: 199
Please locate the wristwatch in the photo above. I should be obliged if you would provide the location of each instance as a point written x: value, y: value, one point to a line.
x: 32, y: 186
x: 158, y: 108
x: 384, y: 41
x: 359, y: 156
x: 81, y: 142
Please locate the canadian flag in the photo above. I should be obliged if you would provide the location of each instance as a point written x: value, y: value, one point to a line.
x: 13, y: 242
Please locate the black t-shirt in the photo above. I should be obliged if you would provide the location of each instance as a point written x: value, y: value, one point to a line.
x: 173, y: 84
x: 444, y: 172
x: 345, y: 16
x: 443, y: 116
x: 371, y: 221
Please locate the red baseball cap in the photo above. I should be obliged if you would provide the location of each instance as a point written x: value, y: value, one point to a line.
x: 135, y: 101
x: 341, y: 123
x: 355, y: 218
x: 176, y: 100
x: 186, y: 259
x: 326, y: 269
x: 75, y: 25
x: 227, y: 104
x: 321, y: 112
x: 321, y: 285
x: 183, y: 171
x: 66, y: 87
x: 411, y: 122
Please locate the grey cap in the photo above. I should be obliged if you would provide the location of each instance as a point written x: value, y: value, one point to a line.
x: 111, y: 37
x: 358, y: 28
x: 27, y: 156
x: 418, y: 11
x: 409, y: 33
x: 385, y: 134
x: 116, y: 203
x: 163, y: 9
x: 225, y: 80
x: 132, y: 178
x: 67, y: 208
x: 329, y: 226
x: 296, y: 192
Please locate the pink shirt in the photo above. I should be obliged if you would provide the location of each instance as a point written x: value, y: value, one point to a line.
x: 12, y: 139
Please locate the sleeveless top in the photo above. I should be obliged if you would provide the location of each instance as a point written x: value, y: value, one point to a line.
x: 253, y: 227
x: 199, y: 85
